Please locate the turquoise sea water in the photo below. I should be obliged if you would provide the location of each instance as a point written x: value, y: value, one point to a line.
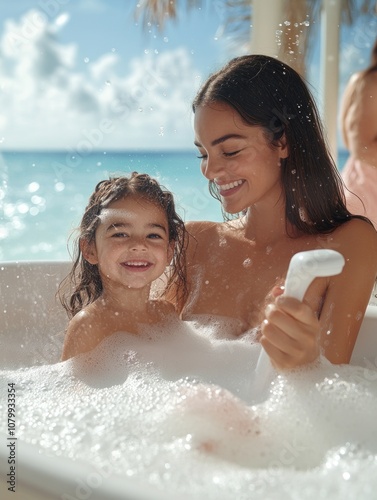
x: 43, y: 194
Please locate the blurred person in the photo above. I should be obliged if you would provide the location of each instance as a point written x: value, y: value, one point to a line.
x: 358, y: 119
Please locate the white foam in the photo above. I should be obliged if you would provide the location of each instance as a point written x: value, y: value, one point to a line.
x: 174, y: 409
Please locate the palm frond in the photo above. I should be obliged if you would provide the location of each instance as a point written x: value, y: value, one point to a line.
x: 299, y: 25
x: 157, y: 12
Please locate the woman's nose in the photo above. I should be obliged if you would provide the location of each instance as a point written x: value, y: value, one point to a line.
x: 210, y: 168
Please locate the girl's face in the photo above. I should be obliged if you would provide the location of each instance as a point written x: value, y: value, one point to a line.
x: 131, y: 244
x: 237, y: 157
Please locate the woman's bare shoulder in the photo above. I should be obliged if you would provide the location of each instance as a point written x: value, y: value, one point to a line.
x: 194, y: 228
x: 356, y: 238
x: 357, y: 226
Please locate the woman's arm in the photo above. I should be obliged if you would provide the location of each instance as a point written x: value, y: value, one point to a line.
x: 293, y: 335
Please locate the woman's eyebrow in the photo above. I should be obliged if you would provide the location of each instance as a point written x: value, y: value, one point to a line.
x: 221, y: 139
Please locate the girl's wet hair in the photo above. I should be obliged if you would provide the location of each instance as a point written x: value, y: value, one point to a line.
x: 268, y: 93
x: 83, y: 285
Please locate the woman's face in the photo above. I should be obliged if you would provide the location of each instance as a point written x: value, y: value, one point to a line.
x: 237, y: 157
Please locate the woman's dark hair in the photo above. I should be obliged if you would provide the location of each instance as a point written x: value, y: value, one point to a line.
x: 373, y: 59
x: 83, y: 285
x: 268, y: 93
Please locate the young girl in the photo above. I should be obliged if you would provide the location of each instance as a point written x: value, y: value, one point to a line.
x: 263, y: 151
x: 130, y: 235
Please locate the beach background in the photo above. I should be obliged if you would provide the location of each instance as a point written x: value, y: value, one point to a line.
x: 88, y: 90
x: 43, y: 194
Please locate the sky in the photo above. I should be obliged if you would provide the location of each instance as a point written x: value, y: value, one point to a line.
x: 86, y: 73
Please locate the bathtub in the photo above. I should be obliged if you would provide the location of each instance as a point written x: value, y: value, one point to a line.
x: 32, y: 324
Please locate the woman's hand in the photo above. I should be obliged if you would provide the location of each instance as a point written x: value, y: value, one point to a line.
x: 290, y: 333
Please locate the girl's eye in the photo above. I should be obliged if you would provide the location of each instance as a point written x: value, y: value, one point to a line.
x: 154, y: 236
x: 120, y: 235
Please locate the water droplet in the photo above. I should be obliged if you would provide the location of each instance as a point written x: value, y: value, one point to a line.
x: 86, y: 59
x: 33, y: 187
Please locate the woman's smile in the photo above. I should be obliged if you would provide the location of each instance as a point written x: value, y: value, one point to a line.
x: 229, y: 188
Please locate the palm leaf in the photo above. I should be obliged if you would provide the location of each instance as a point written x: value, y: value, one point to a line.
x: 299, y: 24
x: 157, y: 12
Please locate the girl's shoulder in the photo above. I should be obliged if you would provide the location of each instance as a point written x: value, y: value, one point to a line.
x: 79, y: 335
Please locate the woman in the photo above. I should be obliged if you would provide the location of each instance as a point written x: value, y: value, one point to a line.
x: 263, y: 151
x: 359, y: 127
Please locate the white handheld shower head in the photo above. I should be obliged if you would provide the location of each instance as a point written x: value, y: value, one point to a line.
x: 303, y: 268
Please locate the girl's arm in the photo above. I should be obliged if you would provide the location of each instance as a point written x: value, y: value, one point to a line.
x: 294, y: 335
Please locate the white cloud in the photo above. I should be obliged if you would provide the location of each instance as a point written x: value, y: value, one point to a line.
x: 47, y: 101
x: 92, y: 5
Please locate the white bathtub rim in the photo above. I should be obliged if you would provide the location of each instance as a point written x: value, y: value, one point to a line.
x: 58, y: 477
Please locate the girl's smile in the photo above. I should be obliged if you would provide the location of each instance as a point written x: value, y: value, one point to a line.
x: 131, y: 245
x: 137, y: 266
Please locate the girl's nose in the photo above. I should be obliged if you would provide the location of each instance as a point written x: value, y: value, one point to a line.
x: 138, y: 244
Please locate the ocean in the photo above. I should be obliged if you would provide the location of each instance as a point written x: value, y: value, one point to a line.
x: 43, y: 194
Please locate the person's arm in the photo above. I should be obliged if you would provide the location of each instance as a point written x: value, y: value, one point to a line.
x: 346, y: 102
x: 294, y: 336
x: 361, y: 120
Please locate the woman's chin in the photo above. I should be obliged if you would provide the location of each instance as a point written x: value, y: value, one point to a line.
x: 231, y: 208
